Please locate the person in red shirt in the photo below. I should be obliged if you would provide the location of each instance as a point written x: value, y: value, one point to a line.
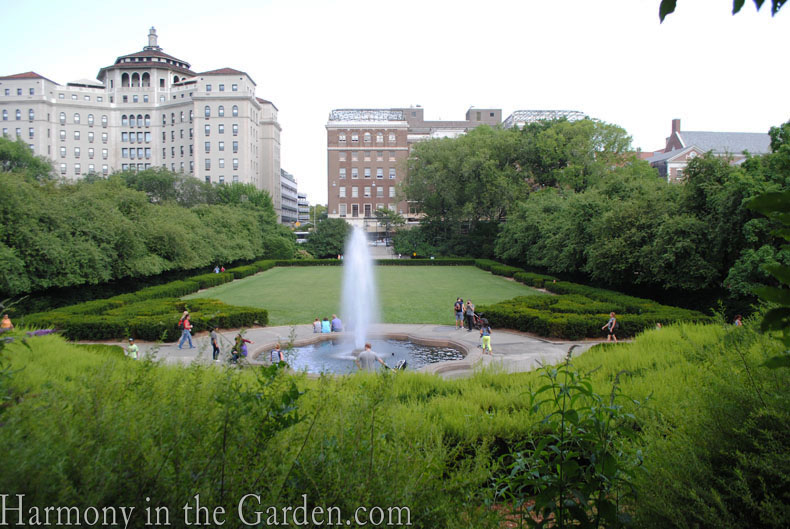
x: 186, y: 333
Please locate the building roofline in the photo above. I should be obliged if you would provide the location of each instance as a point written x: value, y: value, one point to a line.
x: 26, y: 75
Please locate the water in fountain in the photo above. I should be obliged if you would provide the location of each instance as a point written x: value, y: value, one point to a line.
x: 360, y: 299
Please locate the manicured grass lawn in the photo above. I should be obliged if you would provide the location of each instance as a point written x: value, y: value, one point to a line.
x: 407, y: 294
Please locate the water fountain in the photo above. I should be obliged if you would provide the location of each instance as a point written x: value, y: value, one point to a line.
x: 359, y: 299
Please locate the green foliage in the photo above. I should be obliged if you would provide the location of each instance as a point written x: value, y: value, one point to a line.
x: 577, y: 469
x: 328, y: 238
x: 668, y: 6
x: 128, y: 226
x: 16, y: 157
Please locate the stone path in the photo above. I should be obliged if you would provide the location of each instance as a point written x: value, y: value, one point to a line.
x: 513, y: 352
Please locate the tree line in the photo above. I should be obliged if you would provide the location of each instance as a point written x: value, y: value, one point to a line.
x: 569, y: 198
x: 126, y: 226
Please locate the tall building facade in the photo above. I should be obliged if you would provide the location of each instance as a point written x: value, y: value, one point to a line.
x: 149, y: 109
x: 367, y: 152
x: 289, y: 194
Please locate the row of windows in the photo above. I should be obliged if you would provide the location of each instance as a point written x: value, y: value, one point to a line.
x: 221, y: 111
x: 221, y: 129
x: 366, y: 172
x: 19, y: 91
x: 366, y: 191
x: 233, y: 88
x: 367, y: 209
x: 30, y: 114
x: 61, y: 95
x: 140, y: 120
x: 173, y: 151
x: 77, y: 136
x: 173, y: 135
x: 133, y: 137
x: 221, y: 146
x: 343, y: 156
x: 367, y: 137
x: 104, y: 153
x: 137, y: 167
x: 136, y: 153
x: 173, y: 117
x: 207, y: 163
x: 105, y: 170
x: 77, y: 119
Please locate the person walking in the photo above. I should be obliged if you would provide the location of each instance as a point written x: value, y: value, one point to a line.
x: 469, y: 315
x: 276, y: 355
x: 186, y: 333
x: 132, y: 350
x: 458, y: 308
x: 485, y: 333
x: 214, y: 344
x: 367, y: 359
x: 611, y: 327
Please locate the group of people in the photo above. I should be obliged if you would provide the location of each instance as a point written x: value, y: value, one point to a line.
x: 465, y: 317
x: 326, y: 326
x: 218, y: 269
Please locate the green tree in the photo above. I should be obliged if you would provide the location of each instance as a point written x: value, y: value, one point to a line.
x: 328, y: 238
x: 15, y: 156
x: 389, y: 219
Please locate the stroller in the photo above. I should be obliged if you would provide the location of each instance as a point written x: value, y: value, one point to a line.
x: 477, y: 321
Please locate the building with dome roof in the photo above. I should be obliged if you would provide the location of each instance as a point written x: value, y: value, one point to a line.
x: 149, y: 109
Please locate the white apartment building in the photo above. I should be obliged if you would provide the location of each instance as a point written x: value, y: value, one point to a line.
x: 149, y: 109
x: 289, y: 194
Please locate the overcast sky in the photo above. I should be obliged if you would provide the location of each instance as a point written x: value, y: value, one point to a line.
x: 610, y: 59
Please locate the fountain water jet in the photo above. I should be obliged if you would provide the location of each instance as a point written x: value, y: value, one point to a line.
x: 360, y: 299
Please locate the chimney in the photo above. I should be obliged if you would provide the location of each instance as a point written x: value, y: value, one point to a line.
x: 675, y: 125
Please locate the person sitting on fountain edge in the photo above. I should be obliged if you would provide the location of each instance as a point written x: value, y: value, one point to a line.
x: 326, y: 326
x: 367, y: 358
x: 337, y: 325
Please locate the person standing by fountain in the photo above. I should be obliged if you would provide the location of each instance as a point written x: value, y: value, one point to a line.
x: 469, y: 315
x: 485, y: 332
x: 459, y: 313
x: 367, y: 359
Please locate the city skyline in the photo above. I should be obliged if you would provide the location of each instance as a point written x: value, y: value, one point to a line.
x: 613, y: 61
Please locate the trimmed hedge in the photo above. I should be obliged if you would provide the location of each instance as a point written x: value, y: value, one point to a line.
x: 425, y: 262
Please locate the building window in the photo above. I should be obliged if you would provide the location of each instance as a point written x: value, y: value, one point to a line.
x: 367, y: 172
x: 132, y: 121
x: 32, y: 91
x: 207, y: 130
x: 367, y: 191
x: 380, y: 191
x: 207, y: 111
x: 235, y: 179
x: 62, y: 152
x: 355, y: 210
x: 63, y: 168
x: 341, y: 137
x: 104, y: 121
x: 172, y: 118
x: 105, y: 169
x: 76, y: 118
x: 367, y: 137
x: 392, y: 137
x: 235, y: 164
x: 222, y: 88
x: 104, y: 137
x: 222, y: 163
x: 354, y: 137
x: 148, y: 137
x: 134, y: 99
x: 91, y: 168
x: 90, y: 153
x: 191, y: 166
x: 104, y: 154
x: 208, y: 164
x: 368, y: 210
x: 221, y: 128
x: 76, y: 152
x: 392, y: 191
x: 234, y: 87
x: 221, y: 110
x: 342, y: 191
x: 76, y: 135
x: 5, y: 115
x: 235, y: 129
x: 208, y: 146
x: 208, y: 88
x: 354, y: 156
x: 77, y: 170
x: 354, y: 173
x: 30, y: 132
x: 343, y: 208
x: 90, y: 137
x: 62, y: 135
x: 62, y: 118
x: 124, y: 121
x: 342, y: 156
x: 90, y: 120
x: 235, y: 146
x: 367, y: 156
x: 354, y: 192
x: 379, y: 173
x: 379, y: 156
x: 392, y: 156
x: 392, y: 173
x: 379, y: 137
x: 342, y: 173
x: 31, y: 115
x: 235, y: 111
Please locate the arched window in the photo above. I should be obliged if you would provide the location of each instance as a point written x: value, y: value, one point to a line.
x: 235, y: 110
x: 146, y: 79
x: 18, y: 114
x: 31, y: 115
x: 124, y: 121
x: 207, y: 111
x: 131, y: 120
x: 379, y: 137
x: 135, y: 79
x: 139, y: 120
x: 367, y: 137
x: 125, y: 79
x: 90, y: 120
x: 221, y: 111
x: 147, y: 120
x: 104, y: 121
x: 175, y: 79
x: 76, y: 118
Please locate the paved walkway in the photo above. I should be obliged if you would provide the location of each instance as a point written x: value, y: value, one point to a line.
x: 513, y: 352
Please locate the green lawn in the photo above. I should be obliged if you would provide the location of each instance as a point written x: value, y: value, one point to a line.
x: 407, y: 294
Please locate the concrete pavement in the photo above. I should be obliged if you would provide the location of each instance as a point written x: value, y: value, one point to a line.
x: 512, y: 351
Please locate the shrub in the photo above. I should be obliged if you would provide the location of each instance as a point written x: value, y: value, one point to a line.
x: 212, y: 279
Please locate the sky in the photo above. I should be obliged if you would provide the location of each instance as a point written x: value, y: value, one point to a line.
x: 610, y: 59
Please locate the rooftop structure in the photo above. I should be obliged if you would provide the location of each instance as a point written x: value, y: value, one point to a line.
x: 519, y: 118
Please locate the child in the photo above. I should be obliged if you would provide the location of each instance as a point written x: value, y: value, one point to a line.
x: 485, y: 332
x: 317, y: 326
x: 131, y: 351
